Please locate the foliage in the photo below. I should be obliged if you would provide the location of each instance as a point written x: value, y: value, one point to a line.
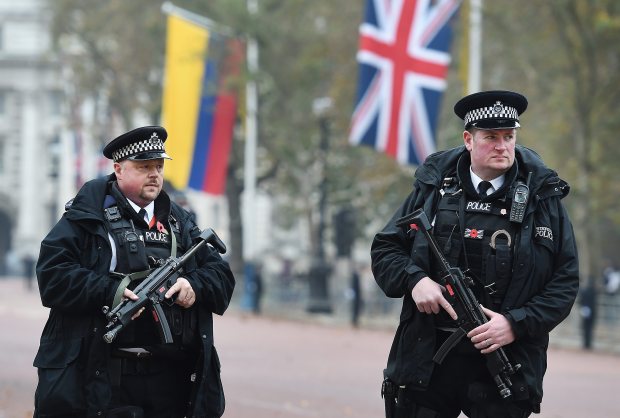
x: 562, y: 54
x: 114, y: 52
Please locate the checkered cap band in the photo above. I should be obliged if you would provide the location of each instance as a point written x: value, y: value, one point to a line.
x: 152, y: 144
x: 497, y: 111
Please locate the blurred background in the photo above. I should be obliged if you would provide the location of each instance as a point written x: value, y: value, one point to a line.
x: 296, y: 202
x: 262, y: 100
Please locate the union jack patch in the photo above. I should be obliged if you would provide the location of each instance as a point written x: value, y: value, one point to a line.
x: 474, y: 233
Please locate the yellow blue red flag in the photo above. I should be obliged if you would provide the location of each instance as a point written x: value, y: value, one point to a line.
x: 199, y: 104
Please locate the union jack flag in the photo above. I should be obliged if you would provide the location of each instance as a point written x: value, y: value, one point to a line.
x: 403, y: 61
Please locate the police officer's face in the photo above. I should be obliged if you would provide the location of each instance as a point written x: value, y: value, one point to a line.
x: 492, y: 151
x: 140, y: 181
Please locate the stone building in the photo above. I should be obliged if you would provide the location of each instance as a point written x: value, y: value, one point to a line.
x: 31, y: 128
x: 47, y: 150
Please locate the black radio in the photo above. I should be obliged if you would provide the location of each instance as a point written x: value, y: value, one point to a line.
x: 519, y: 200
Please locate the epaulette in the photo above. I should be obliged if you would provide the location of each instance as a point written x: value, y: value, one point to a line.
x: 68, y: 205
x: 450, y: 186
x: 557, y: 187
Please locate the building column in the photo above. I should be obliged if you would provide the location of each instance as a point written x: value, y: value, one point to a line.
x: 33, y: 195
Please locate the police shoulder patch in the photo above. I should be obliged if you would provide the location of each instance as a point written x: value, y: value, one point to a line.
x: 544, y: 232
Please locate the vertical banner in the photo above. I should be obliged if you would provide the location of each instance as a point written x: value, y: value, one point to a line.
x: 199, y: 104
x: 403, y: 63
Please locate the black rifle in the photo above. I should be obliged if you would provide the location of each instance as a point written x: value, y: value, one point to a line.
x: 461, y: 297
x: 152, y: 290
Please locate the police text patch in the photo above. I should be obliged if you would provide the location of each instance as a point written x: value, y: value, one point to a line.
x: 544, y: 232
x: 158, y: 237
x: 479, y: 207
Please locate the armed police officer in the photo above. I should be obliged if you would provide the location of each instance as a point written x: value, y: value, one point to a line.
x: 116, y: 230
x: 496, y: 213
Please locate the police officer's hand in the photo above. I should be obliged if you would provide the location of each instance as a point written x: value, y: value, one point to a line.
x: 494, y: 334
x: 186, y: 296
x: 128, y: 294
x: 428, y: 297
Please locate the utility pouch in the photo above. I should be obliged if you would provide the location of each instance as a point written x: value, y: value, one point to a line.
x: 399, y: 403
x: 389, y: 391
x: 405, y: 407
x: 498, y: 269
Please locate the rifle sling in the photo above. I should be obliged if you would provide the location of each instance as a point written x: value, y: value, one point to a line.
x: 127, y: 278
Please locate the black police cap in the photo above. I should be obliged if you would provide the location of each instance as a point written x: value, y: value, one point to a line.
x: 494, y: 109
x: 145, y: 143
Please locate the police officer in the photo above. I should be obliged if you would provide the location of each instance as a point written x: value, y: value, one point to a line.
x: 497, y: 214
x: 114, y: 232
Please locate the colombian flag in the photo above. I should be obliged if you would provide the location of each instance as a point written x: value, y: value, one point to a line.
x: 199, y: 104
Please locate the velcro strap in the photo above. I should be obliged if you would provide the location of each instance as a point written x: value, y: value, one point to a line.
x: 503, y: 262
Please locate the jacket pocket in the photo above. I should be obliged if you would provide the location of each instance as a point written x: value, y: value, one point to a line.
x: 215, y: 392
x: 60, y: 387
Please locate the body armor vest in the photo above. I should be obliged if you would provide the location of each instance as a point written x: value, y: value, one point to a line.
x: 140, y: 248
x: 478, y: 237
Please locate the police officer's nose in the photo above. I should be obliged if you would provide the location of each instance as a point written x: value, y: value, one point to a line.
x: 153, y: 172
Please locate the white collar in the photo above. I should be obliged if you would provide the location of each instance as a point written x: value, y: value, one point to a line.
x: 497, y: 182
x: 150, y: 209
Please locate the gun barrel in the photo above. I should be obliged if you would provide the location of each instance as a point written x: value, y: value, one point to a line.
x: 110, y: 336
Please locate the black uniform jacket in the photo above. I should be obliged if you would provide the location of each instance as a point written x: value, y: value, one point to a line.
x: 74, y: 283
x: 542, y: 289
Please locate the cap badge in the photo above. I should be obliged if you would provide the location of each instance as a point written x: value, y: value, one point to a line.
x: 498, y: 107
x: 154, y: 138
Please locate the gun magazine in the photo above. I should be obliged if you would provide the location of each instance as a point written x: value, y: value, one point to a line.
x: 448, y: 345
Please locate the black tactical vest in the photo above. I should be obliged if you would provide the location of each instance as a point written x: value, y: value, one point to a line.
x: 478, y: 237
x: 139, y: 248
x: 480, y: 244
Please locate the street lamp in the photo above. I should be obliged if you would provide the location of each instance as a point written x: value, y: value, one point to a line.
x: 319, y: 269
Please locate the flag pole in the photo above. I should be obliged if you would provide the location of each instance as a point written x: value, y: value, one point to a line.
x: 475, y: 46
x: 249, y: 172
x: 170, y: 9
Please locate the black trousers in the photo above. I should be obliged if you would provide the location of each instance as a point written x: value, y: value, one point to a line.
x: 463, y: 383
x: 160, y: 386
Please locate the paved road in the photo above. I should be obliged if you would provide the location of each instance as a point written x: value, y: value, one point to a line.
x: 275, y: 368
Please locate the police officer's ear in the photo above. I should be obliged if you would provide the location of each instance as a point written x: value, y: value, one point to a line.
x: 117, y: 168
x: 468, y: 138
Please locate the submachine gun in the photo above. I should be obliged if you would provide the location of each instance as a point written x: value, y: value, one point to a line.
x: 467, y: 307
x: 152, y: 289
